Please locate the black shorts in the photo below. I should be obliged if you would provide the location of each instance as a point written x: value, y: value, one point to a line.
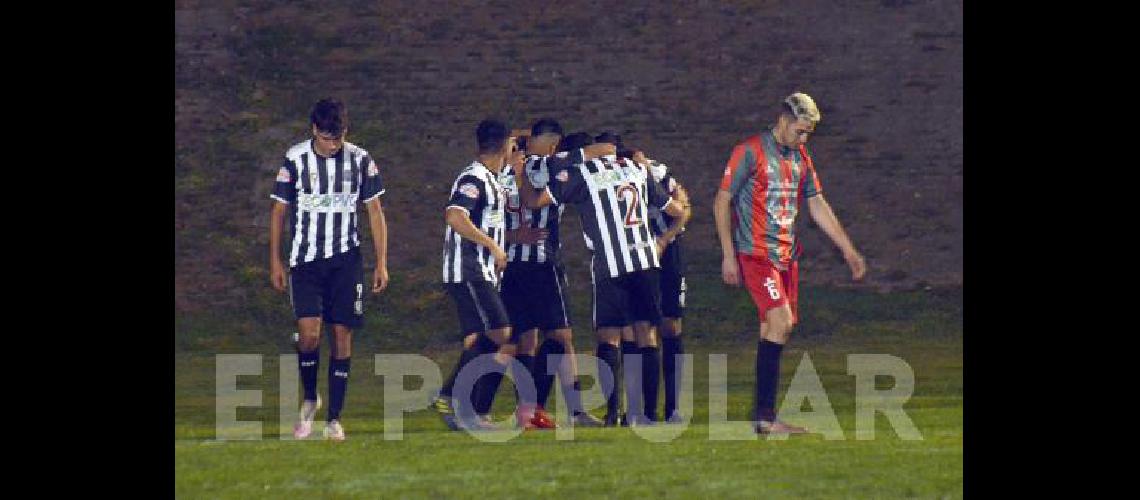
x: 619, y: 302
x: 673, y: 281
x: 332, y: 289
x: 535, y: 296
x: 480, y: 308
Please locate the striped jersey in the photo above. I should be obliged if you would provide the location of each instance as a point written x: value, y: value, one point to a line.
x: 613, y: 197
x: 768, y: 184
x: 536, y: 175
x: 323, y: 193
x: 478, y: 192
x: 660, y: 221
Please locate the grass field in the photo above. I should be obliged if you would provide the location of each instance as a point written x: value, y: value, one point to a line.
x: 924, y: 329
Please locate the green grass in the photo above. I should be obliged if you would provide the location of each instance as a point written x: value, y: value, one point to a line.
x: 923, y: 328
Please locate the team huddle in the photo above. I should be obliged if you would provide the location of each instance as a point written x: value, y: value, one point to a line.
x: 514, y: 199
x: 501, y: 263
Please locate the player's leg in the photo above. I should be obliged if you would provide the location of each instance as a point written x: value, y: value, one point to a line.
x: 472, y: 325
x: 672, y: 309
x: 631, y: 373
x: 305, y: 296
x: 490, y: 304
x: 645, y: 306
x: 610, y: 317
x: 526, y: 350
x: 672, y: 350
x: 345, y: 292
x: 518, y: 298
x: 765, y: 285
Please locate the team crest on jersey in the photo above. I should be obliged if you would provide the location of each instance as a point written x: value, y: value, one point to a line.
x: 469, y: 190
x: 283, y: 175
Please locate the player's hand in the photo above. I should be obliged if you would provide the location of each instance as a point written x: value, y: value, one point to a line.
x: 531, y: 235
x: 277, y: 275
x: 730, y: 271
x: 517, y: 159
x: 857, y: 264
x: 661, y: 244
x: 380, y: 278
x: 500, y: 259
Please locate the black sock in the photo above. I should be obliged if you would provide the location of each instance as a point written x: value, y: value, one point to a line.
x: 609, y: 372
x: 485, y: 389
x: 464, y: 357
x: 527, y: 361
x: 650, y: 379
x: 548, y: 353
x: 482, y: 345
x: 338, y: 386
x: 307, y: 364
x: 767, y: 378
x: 671, y: 347
x: 631, y: 376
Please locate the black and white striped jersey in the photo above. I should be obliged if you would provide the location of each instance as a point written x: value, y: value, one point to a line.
x: 660, y: 221
x: 478, y: 192
x: 535, y: 174
x: 612, y: 196
x: 324, y: 193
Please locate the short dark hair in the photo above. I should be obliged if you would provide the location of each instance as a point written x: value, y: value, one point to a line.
x: 491, y: 135
x: 545, y: 126
x: 330, y: 116
x: 609, y: 137
x: 575, y: 141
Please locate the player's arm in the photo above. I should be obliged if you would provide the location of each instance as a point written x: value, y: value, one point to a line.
x: 460, y: 221
x: 284, y: 194
x: 538, y: 198
x: 736, y: 174
x: 276, y: 267
x: 379, y: 225
x: 681, y: 204
x: 372, y: 186
x: 822, y: 214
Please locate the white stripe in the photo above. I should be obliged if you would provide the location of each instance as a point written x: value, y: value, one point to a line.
x: 639, y: 241
x: 647, y: 261
x: 565, y: 320
x: 444, y: 256
x: 619, y: 224
x: 293, y: 253
x: 543, y: 218
x: 594, y: 291
x: 346, y: 219
x: 479, y: 307
x: 456, y: 257
x: 610, y: 260
x: 278, y: 198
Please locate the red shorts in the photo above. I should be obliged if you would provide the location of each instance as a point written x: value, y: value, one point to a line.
x: 770, y: 287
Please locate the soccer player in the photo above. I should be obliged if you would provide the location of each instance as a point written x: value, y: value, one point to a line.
x: 766, y: 181
x: 322, y: 180
x: 612, y: 196
x: 535, y: 288
x: 473, y: 263
x: 669, y: 231
x: 473, y: 260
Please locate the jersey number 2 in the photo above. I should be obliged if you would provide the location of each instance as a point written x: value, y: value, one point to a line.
x: 631, y: 219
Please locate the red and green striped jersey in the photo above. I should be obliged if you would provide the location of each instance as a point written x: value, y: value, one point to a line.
x: 768, y: 184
